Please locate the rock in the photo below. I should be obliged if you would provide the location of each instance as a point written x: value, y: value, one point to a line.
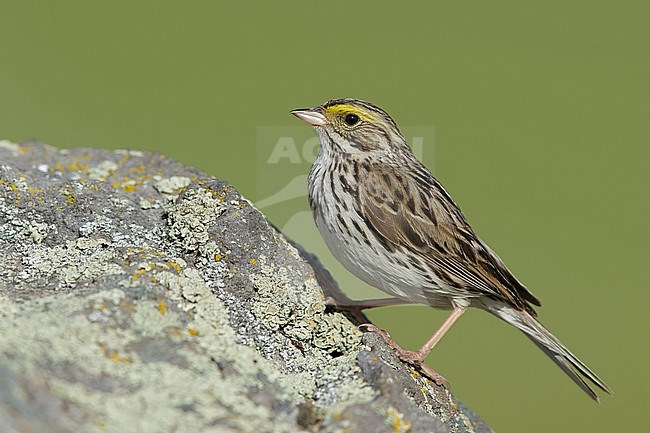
x: 138, y: 294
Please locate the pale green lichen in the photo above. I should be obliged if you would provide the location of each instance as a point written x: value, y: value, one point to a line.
x: 37, y: 232
x: 83, y: 259
x: 148, y: 204
x: 152, y: 394
x: 190, y: 219
x: 103, y: 170
x: 19, y: 223
x: 210, y: 319
x: 10, y: 146
x: 199, y: 378
x: 129, y: 152
x: 171, y: 187
x: 300, y: 312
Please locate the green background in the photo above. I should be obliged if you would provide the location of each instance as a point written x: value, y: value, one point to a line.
x: 540, y: 113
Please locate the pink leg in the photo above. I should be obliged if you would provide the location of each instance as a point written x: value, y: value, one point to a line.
x: 417, y: 357
x: 437, y: 336
x: 365, y: 304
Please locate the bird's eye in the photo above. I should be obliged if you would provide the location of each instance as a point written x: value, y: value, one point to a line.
x: 351, y: 119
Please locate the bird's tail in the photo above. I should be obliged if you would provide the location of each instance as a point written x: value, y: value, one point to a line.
x: 550, y: 345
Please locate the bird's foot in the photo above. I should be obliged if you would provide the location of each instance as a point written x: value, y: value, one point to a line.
x: 415, y: 358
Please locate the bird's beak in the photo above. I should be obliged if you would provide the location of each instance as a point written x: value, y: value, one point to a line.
x: 313, y: 116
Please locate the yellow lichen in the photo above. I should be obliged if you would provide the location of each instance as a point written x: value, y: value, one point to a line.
x: 76, y: 166
x: 69, y: 196
x: 397, y: 421
x: 175, y: 265
x: 174, y: 331
x: 127, y: 307
x: 137, y: 273
x: 113, y: 355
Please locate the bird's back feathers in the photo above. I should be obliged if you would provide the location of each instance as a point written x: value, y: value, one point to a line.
x: 427, y: 222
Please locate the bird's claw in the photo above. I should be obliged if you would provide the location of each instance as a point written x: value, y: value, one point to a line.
x: 414, y: 358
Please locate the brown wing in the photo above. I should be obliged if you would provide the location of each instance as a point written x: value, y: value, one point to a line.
x: 415, y: 213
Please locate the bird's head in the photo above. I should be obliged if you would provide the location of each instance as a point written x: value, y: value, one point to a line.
x: 353, y: 127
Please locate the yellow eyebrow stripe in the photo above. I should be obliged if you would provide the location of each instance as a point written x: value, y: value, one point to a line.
x: 350, y: 109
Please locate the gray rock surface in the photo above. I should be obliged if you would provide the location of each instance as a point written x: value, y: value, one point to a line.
x: 141, y: 295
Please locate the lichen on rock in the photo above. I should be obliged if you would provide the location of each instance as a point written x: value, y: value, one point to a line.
x: 190, y: 218
x: 138, y: 294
